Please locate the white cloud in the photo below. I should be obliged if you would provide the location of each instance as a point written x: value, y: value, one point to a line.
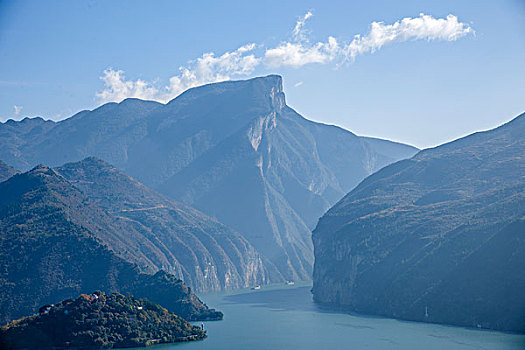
x: 298, y: 84
x: 298, y: 31
x: 210, y: 69
x: 17, y: 109
x: 206, y: 69
x: 424, y: 27
x: 118, y: 88
x: 300, y: 52
x: 296, y: 52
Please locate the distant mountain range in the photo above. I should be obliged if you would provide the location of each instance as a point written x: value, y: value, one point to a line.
x: 439, y: 237
x: 233, y: 150
x: 56, y: 243
x: 6, y: 171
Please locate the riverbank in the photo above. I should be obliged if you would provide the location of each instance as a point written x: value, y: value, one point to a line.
x: 281, y: 316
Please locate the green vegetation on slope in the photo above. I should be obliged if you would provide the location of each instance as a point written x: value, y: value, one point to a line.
x: 98, y: 321
x: 56, y: 244
x: 439, y: 237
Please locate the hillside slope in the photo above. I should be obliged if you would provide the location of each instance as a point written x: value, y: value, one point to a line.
x: 438, y: 237
x: 98, y: 321
x: 56, y: 244
x: 204, y: 253
x: 6, y: 171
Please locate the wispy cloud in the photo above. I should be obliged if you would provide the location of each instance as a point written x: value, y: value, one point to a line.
x: 424, y: 27
x: 211, y: 68
x: 300, y: 51
x: 299, y: 33
x: 17, y: 109
x: 118, y: 88
x: 208, y: 68
x: 296, y: 52
x: 298, y: 84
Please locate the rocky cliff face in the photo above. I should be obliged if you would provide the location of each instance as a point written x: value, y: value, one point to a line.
x: 436, y: 238
x: 233, y: 150
x: 204, y: 253
x: 56, y: 243
x: 273, y: 176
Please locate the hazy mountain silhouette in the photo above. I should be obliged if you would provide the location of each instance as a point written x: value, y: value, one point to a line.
x: 204, y: 253
x: 6, y: 171
x: 233, y: 150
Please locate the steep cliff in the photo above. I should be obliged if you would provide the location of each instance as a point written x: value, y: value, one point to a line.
x: 204, y: 253
x: 233, y: 150
x: 439, y: 237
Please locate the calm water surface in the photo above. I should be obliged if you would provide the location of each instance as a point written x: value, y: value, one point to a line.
x: 284, y: 317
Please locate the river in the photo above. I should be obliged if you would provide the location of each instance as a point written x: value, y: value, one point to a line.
x: 284, y: 317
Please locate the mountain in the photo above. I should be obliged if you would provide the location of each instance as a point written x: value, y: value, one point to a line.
x: 233, y: 150
x: 439, y: 237
x: 98, y: 321
x: 56, y: 244
x: 15, y: 135
x: 204, y: 253
x: 6, y: 171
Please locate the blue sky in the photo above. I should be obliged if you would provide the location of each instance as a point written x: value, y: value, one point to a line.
x: 467, y: 77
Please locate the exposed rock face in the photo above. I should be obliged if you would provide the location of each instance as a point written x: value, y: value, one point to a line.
x: 274, y: 176
x: 6, y: 171
x: 204, y: 253
x: 233, y: 150
x: 439, y: 237
x: 56, y: 243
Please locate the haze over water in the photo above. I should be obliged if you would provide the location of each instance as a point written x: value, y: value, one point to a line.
x: 284, y: 317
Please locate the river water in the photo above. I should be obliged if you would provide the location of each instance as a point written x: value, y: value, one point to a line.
x: 284, y: 317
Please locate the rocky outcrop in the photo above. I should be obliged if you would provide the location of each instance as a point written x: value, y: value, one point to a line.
x: 435, y: 238
x: 272, y: 177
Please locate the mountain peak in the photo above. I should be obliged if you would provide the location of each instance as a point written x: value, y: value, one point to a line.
x: 92, y: 160
x: 42, y: 169
x: 269, y: 82
x: 29, y: 121
x: 269, y: 85
x: 42, y: 175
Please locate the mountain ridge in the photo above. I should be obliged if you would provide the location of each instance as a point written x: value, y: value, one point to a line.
x: 233, y: 150
x: 51, y: 249
x: 415, y: 236
x: 201, y: 251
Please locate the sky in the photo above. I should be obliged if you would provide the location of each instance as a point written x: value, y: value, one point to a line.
x: 419, y: 72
